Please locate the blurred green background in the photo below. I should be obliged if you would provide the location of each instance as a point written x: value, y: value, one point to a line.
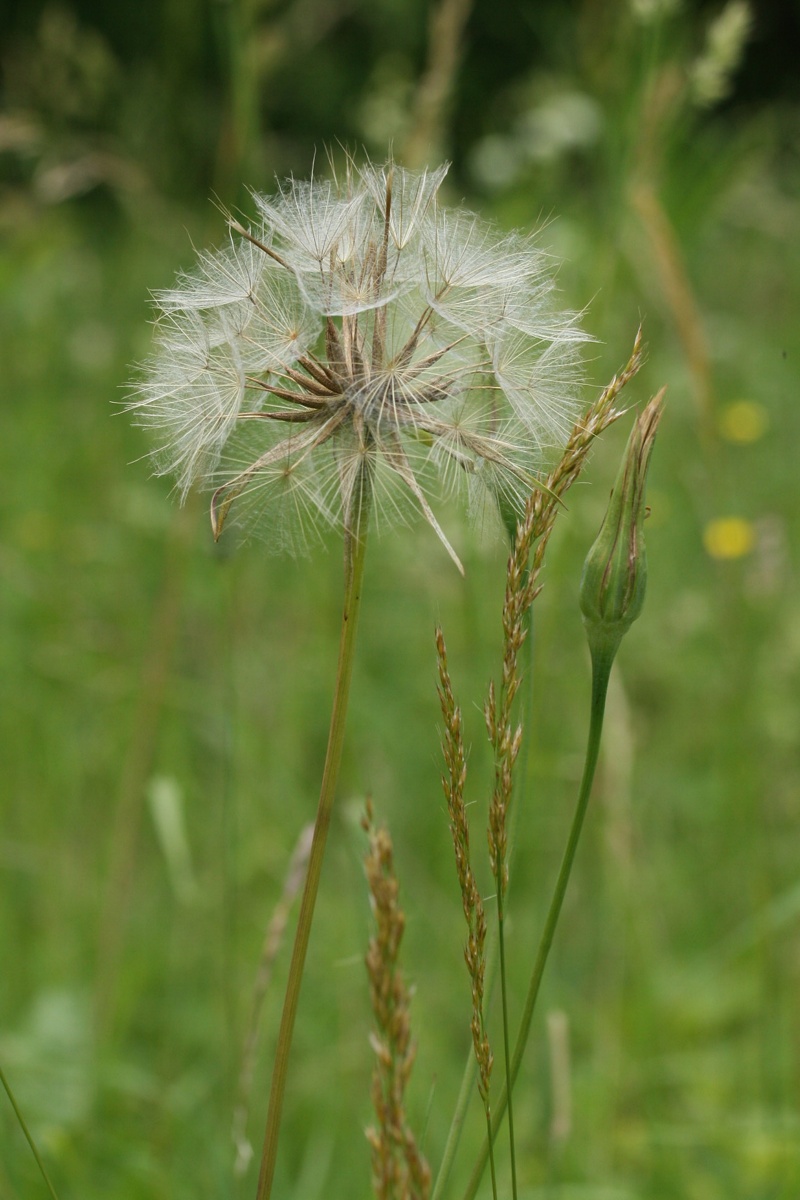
x: 164, y: 704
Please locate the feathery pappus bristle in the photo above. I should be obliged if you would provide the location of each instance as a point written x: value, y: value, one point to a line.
x: 359, y: 329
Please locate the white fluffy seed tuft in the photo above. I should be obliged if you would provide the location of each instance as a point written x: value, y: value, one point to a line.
x: 358, y: 327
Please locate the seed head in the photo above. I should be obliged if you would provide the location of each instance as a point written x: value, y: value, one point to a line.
x: 359, y: 333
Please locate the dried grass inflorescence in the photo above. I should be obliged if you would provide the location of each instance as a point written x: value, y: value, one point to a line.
x: 399, y: 1170
x: 360, y: 332
x: 522, y: 587
x: 453, y: 782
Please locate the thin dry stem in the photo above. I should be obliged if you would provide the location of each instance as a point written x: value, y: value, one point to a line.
x: 272, y: 944
x: 435, y: 87
x: 399, y: 1170
x: 678, y: 294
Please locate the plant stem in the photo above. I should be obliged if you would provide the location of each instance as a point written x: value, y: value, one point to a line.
x: 465, y: 1091
x: 490, y: 1145
x: 601, y: 670
x: 355, y: 541
x: 456, y: 1125
x: 501, y: 940
x: 27, y: 1133
x: 470, y: 1067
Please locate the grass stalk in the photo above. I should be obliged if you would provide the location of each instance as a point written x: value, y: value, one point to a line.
x: 28, y: 1135
x: 530, y: 539
x: 456, y: 1126
x: 355, y: 544
x: 273, y: 941
x: 501, y: 941
x: 465, y: 1091
x: 490, y: 1148
x: 471, y: 1066
x: 434, y: 90
x: 453, y: 781
x: 601, y: 670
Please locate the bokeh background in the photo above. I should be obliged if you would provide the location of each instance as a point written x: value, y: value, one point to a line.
x: 164, y: 703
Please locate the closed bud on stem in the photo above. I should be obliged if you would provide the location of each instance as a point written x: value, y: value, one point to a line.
x: 615, y: 571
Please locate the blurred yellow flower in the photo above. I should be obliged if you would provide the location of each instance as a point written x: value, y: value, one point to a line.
x: 743, y: 421
x: 729, y: 537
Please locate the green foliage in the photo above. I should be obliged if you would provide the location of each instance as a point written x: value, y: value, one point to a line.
x: 132, y: 651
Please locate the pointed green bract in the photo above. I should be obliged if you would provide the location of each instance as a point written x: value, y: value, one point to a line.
x: 615, y: 571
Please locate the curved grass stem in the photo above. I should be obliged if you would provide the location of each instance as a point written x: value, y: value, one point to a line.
x: 501, y: 940
x: 490, y: 1151
x: 354, y: 553
x: 601, y: 670
x: 466, y: 1090
x: 27, y: 1133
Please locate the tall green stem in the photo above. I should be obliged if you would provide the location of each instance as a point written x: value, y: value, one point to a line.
x: 490, y: 1151
x: 601, y: 670
x: 354, y: 554
x: 26, y: 1131
x: 465, y: 1092
x: 507, y: 1091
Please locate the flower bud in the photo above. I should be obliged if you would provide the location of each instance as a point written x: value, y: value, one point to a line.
x: 615, y: 571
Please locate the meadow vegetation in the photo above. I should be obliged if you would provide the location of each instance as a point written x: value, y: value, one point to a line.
x: 164, y: 701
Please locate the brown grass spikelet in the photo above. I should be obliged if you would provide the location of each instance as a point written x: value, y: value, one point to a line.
x: 453, y: 782
x: 399, y: 1170
x: 522, y: 587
